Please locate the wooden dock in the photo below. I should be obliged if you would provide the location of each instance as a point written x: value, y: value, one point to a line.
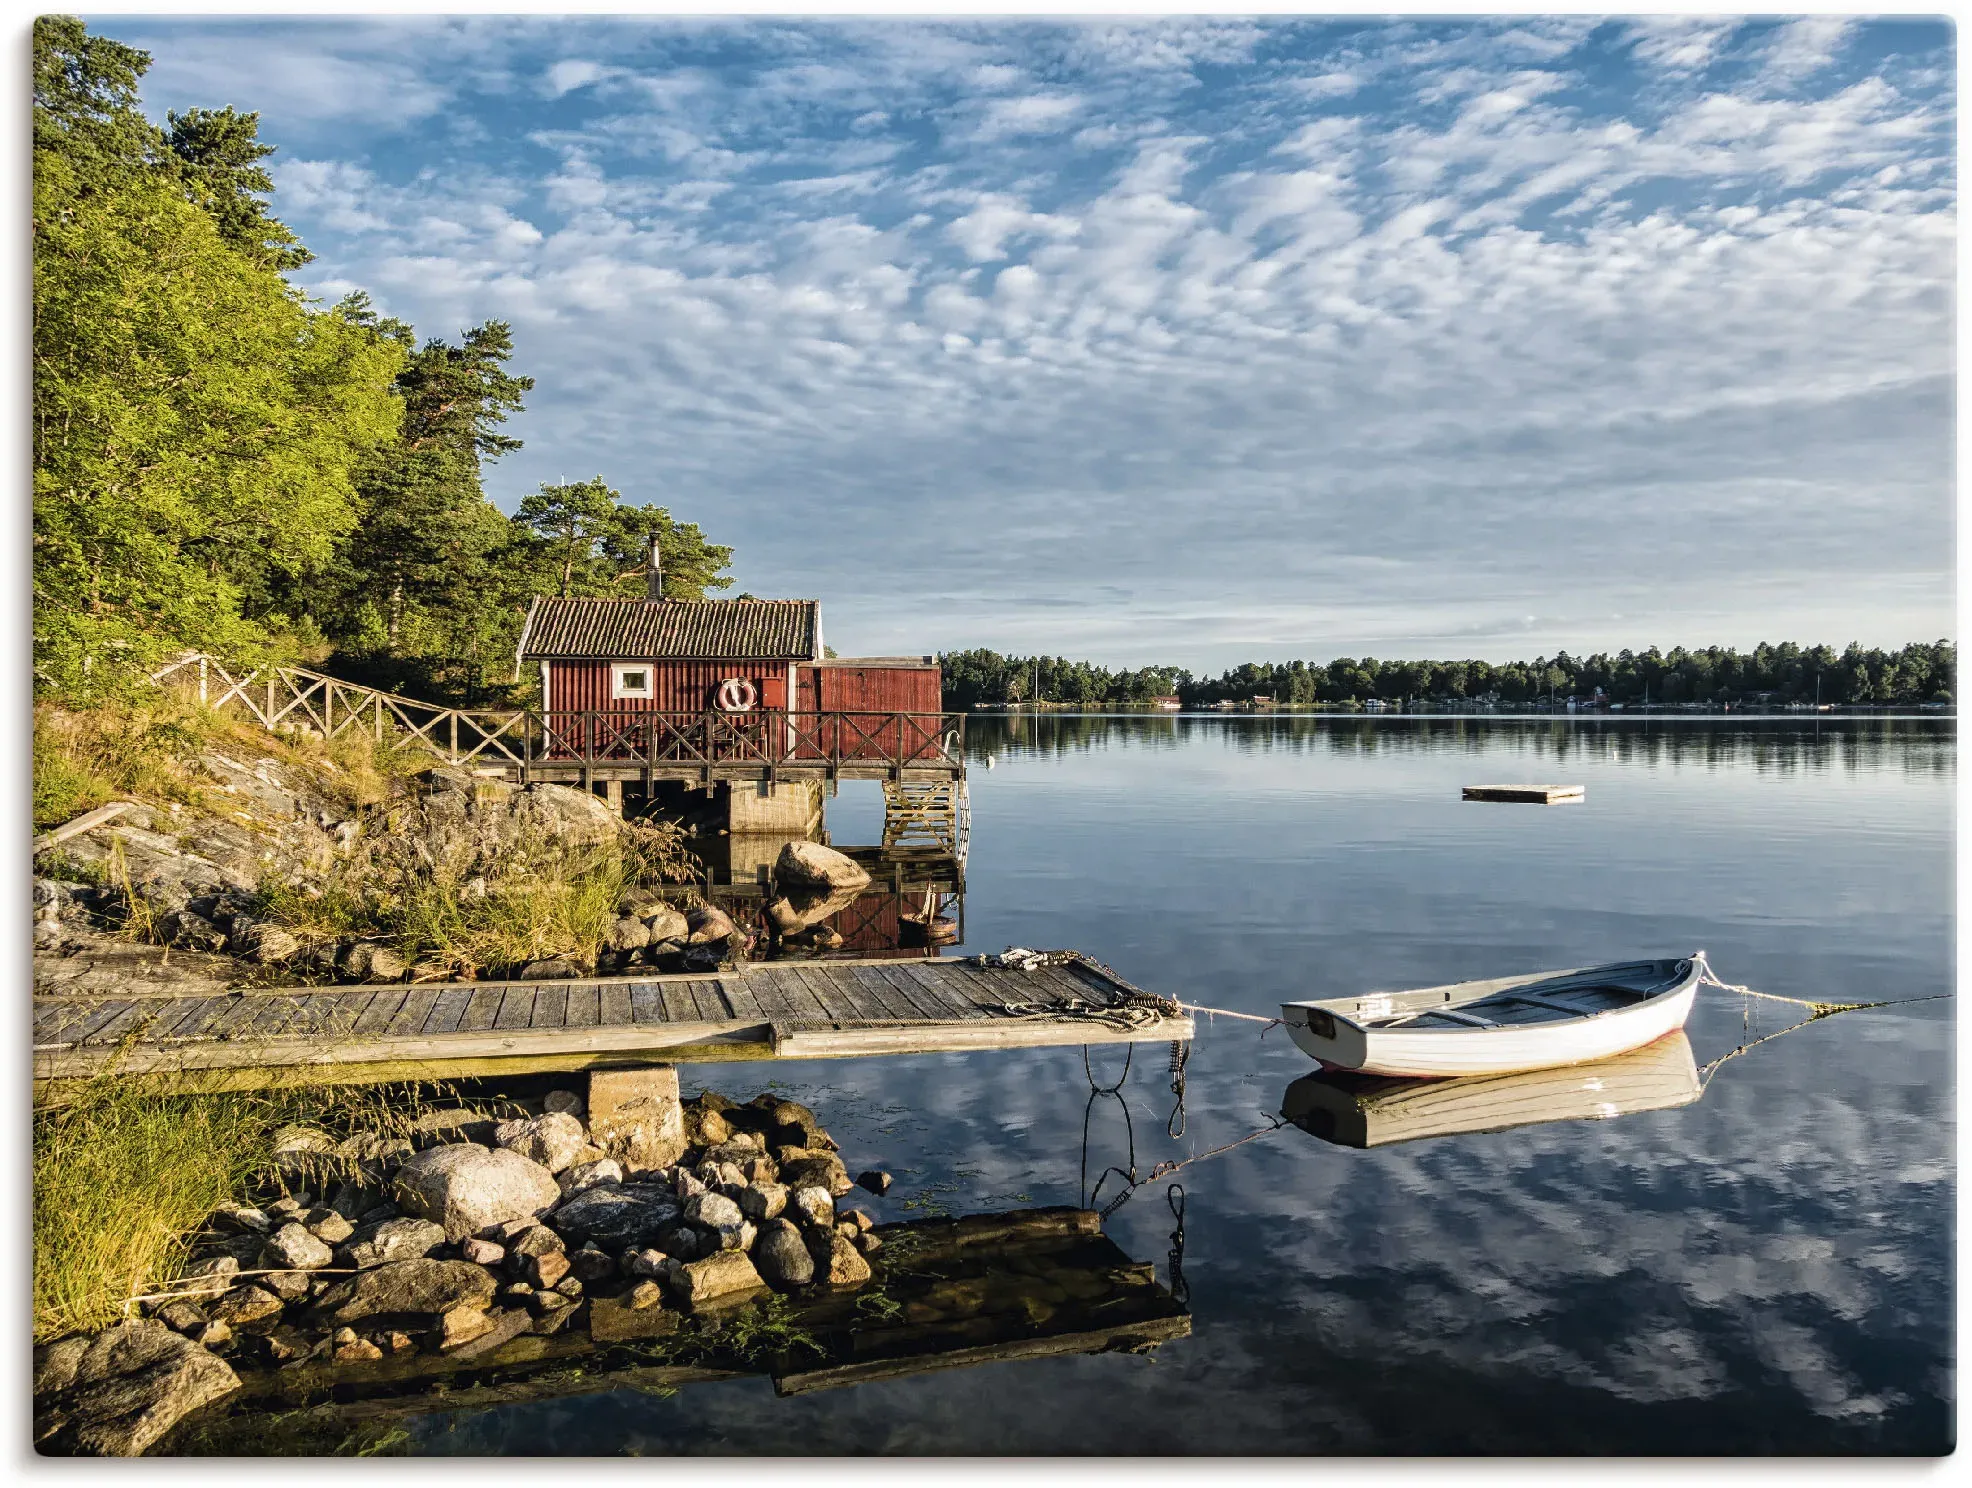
x: 770, y: 1010
x: 1543, y: 795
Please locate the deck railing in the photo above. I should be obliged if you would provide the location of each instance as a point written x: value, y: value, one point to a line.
x: 664, y: 743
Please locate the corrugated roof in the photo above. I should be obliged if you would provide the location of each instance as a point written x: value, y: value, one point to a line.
x: 673, y: 629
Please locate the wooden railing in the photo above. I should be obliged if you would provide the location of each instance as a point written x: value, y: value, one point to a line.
x: 663, y: 743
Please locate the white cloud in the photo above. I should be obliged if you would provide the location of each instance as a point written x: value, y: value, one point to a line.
x: 1807, y: 45
x: 1680, y: 44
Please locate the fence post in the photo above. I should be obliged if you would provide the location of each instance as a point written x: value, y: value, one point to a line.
x: 202, y: 696
x: 267, y: 718
x: 379, y: 716
x: 455, y: 738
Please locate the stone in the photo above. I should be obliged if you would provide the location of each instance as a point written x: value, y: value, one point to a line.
x: 662, y: 922
x: 353, y: 1200
x: 454, y: 1124
x: 554, y: 968
x: 628, y: 934
x: 713, y: 1210
x: 462, y: 1325
x: 292, y: 1248
x: 482, y: 1252
x: 421, y: 1286
x: 135, y: 1382
x: 645, y: 1295
x: 55, y: 1363
x: 257, y: 940
x: 209, y: 1277
x: 503, y: 1324
x: 333, y: 1229
x: 397, y: 1342
x: 357, y: 1351
x: 761, y: 1202
x: 869, y: 1242
x: 542, y: 1271
x: 397, y: 1240
x: 875, y: 1180
x: 686, y: 1184
x: 636, y: 1117
x: 535, y: 1240
x: 638, y: 1313
x: 684, y: 1242
x: 241, y: 1219
x: 788, y: 1123
x: 192, y: 932
x: 645, y: 1261
x: 244, y: 1306
x: 289, y: 1286
x: 465, y: 1187
x: 708, y: 926
x: 712, y: 1128
x: 541, y: 1303
x: 819, y: 1170
x: 180, y: 1317
x: 582, y: 1176
x: 812, y: 1206
x: 563, y: 1102
x: 618, y: 1215
x: 782, y: 1256
x: 591, y: 1265
x: 551, y: 1140
x: 723, y: 1277
x: 846, y: 1268
x: 856, y: 1217
x: 286, y: 1345
x: 809, y: 864
x: 570, y: 1287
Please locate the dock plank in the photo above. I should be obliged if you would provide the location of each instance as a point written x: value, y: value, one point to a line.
x: 201, y: 1025
x: 845, y: 1001
x: 930, y: 1007
x: 113, y: 1031
x: 895, y: 1004
x: 615, y: 1005
x: 676, y: 998
x: 516, y: 1008
x: 584, y: 1005
x: 550, y: 1008
x: 383, y: 1007
x: 938, y: 987
x: 801, y: 1002
x: 447, y: 1010
x: 711, y: 1006
x: 410, y: 1018
x: 646, y: 1002
x: 482, y: 1008
x: 740, y: 999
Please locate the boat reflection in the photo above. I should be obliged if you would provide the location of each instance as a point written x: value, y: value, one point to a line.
x: 1353, y: 1110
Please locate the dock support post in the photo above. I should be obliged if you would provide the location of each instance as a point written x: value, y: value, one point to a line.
x: 636, y: 1117
x: 613, y: 793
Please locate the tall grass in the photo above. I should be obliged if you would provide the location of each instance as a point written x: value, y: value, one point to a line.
x: 124, y: 1178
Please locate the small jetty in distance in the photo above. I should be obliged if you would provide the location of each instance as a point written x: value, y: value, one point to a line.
x: 1540, y: 795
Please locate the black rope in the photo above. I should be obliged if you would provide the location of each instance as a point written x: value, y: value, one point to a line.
x: 1180, y: 1057
x: 1115, y: 1093
x: 1129, y: 1054
x: 1174, y: 1196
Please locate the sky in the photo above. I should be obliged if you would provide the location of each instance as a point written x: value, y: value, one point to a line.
x: 1190, y: 340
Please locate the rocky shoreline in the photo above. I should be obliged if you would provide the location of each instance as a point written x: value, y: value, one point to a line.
x: 622, y: 1213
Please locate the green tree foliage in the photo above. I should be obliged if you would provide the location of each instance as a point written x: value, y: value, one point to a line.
x: 1787, y: 673
x: 590, y: 545
x: 197, y: 423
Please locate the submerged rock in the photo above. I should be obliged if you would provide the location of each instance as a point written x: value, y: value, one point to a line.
x: 725, y: 1276
x: 131, y: 1385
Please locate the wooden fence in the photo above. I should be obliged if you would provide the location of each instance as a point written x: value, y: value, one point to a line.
x: 662, y: 745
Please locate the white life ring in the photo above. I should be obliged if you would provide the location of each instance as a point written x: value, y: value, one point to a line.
x: 737, y: 695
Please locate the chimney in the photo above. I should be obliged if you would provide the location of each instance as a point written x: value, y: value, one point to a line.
x: 653, y: 570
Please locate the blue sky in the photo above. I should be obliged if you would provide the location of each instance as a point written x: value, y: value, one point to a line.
x: 1195, y: 339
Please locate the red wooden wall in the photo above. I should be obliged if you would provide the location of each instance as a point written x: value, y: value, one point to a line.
x: 676, y: 686
x: 827, y: 688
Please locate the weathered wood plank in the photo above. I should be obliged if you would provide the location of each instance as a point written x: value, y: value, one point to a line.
x: 482, y: 1008
x: 277, y: 1013
x: 516, y: 1008
x: 615, y: 1005
x: 584, y: 1005
x: 410, y: 1018
x: 64, y: 1021
x: 841, y: 1043
x: 376, y: 1017
x: 929, y: 1007
x: 843, y: 999
x: 894, y: 1004
x: 127, y: 1018
x: 740, y: 1001
x: 550, y: 1008
x: 647, y: 1002
x: 447, y: 1010
x: 208, y: 1019
x: 677, y: 1000
x: 801, y: 1003
x: 705, y: 996
x: 910, y: 974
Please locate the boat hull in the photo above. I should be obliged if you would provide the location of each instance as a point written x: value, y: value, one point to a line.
x: 1340, y: 1042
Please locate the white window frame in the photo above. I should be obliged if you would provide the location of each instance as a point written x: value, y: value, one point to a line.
x: 619, y: 693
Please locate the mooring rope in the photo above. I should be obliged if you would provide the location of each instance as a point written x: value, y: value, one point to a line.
x: 1708, y: 978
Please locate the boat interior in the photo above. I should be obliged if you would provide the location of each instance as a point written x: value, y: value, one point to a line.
x: 1544, y: 997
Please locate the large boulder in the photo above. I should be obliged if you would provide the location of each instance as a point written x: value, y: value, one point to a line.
x: 465, y: 1187
x: 814, y: 1169
x: 809, y: 865
x: 781, y: 1256
x: 662, y: 922
x: 552, y: 1140
x: 616, y: 1215
x: 725, y: 1276
x: 422, y: 1287
x: 709, y: 925
x: 394, y: 1240
x: 130, y: 1386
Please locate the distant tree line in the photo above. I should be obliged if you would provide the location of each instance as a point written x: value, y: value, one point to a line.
x: 1787, y: 673
x: 223, y: 464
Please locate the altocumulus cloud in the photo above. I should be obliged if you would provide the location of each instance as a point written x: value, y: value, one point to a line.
x: 1193, y: 340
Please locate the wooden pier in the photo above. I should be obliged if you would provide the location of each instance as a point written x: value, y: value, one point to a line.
x: 770, y: 1010
x: 1540, y: 795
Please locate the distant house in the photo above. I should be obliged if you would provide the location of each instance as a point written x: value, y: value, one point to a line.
x: 1167, y: 702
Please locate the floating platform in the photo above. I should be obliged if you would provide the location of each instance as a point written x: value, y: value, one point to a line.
x: 1542, y: 795
x: 243, y: 1038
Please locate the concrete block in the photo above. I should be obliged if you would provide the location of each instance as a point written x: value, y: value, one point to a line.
x: 635, y: 1116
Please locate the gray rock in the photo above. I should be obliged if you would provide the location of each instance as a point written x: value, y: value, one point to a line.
x: 537, y: 1240
x: 713, y: 1210
x: 552, y: 969
x: 407, y: 1287
x: 618, y: 1215
x: 708, y: 926
x: 132, y: 1385
x: 289, y: 1286
x: 810, y: 865
x: 566, y: 1102
x: 502, y: 1324
x: 193, y: 932
x: 781, y: 1256
x: 628, y: 934
x: 245, y: 1306
x: 761, y: 1202
x: 812, y: 1206
x: 636, y: 1117
x: 551, y: 1140
x: 481, y: 1252
x: 644, y: 1262
x: 332, y: 1228
x: 846, y: 1266
x: 662, y: 922
x: 181, y: 1317
x: 591, y: 1265
x: 875, y: 1180
x: 241, y: 1219
x: 55, y: 1363
x: 465, y: 1187
x: 582, y: 1176
x: 214, y: 1274
x: 817, y: 1169
x: 398, y: 1240
x: 292, y: 1248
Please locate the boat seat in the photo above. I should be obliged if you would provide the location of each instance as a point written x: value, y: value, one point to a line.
x: 1554, y: 1004
x: 1466, y: 1018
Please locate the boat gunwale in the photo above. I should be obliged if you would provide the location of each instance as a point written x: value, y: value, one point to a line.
x: 1393, y: 1016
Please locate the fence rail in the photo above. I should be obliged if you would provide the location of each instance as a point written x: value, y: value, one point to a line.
x: 663, y: 745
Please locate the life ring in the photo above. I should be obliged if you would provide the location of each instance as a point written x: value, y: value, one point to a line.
x: 737, y: 695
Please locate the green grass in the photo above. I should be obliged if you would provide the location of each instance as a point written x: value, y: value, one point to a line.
x: 123, y: 1179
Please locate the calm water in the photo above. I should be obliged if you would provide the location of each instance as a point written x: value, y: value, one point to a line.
x: 1767, y: 1270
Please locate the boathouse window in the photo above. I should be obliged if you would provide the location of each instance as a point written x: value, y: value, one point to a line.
x: 630, y: 682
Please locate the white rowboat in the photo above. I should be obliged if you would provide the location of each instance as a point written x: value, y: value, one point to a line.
x: 1501, y: 1026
